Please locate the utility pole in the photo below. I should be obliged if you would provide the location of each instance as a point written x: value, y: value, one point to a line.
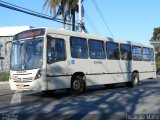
x: 73, y: 19
x: 80, y: 15
x: 1, y: 60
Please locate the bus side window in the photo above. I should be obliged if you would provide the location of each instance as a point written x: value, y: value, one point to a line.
x: 96, y: 49
x: 79, y: 48
x: 146, y: 54
x: 137, y: 53
x: 112, y: 51
x: 55, y: 50
x: 125, y: 52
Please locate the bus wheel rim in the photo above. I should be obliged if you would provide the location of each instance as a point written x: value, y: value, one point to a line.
x: 76, y: 85
x: 135, y: 80
x: 158, y: 74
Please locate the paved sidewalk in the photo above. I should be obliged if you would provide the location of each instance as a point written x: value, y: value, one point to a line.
x: 4, y: 85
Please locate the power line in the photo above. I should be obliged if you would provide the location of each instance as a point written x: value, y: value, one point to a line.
x: 26, y: 9
x: 23, y: 10
x: 33, y: 13
x: 100, y: 13
x: 30, y: 12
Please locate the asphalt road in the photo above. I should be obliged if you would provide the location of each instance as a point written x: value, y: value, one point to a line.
x: 96, y: 103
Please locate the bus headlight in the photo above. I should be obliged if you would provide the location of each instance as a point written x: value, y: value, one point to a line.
x: 39, y: 74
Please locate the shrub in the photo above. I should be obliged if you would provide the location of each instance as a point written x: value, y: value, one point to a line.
x: 4, y: 76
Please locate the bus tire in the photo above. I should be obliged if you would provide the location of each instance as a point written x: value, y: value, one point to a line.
x: 77, y: 85
x: 158, y: 74
x: 134, y: 80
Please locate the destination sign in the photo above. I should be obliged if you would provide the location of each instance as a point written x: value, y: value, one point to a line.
x: 30, y: 33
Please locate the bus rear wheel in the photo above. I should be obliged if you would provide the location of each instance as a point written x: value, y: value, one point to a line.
x: 135, y: 80
x: 78, y: 85
x: 158, y: 74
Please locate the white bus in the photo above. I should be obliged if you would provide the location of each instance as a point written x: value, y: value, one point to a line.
x: 46, y: 59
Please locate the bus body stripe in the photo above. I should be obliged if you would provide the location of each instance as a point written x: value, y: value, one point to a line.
x: 98, y: 74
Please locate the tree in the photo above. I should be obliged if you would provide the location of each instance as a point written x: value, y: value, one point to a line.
x: 66, y: 8
x: 156, y: 34
x: 155, y: 37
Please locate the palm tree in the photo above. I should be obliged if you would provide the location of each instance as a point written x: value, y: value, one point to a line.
x: 66, y: 8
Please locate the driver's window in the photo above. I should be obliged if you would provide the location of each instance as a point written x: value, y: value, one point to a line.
x: 55, y: 50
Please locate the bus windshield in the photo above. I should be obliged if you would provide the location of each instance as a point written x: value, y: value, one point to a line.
x: 27, y: 54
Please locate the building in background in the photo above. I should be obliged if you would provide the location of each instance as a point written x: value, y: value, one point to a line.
x: 7, y: 34
x: 155, y: 42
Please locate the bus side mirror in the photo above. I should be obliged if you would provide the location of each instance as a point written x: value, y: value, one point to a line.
x: 1, y: 58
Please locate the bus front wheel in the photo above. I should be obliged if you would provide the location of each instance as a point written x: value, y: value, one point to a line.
x: 78, y: 85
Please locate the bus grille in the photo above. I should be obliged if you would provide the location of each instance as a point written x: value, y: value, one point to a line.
x: 22, y: 80
x: 30, y: 78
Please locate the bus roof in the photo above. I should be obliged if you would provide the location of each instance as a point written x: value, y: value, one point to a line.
x: 90, y: 36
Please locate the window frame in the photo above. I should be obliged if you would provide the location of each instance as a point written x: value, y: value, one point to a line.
x: 129, y: 53
x: 104, y: 51
x: 74, y: 47
x: 50, y: 37
x: 118, y: 45
x: 146, y: 54
x: 137, y: 53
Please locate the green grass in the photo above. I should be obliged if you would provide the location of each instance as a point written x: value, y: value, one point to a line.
x: 4, y: 76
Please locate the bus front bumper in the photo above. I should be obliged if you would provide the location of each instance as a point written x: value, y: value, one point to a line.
x: 36, y: 85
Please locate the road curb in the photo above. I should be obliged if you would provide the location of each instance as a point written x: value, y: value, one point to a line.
x: 4, y: 85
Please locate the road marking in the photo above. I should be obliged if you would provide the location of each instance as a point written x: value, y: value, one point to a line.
x: 14, y: 110
x: 16, y: 99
